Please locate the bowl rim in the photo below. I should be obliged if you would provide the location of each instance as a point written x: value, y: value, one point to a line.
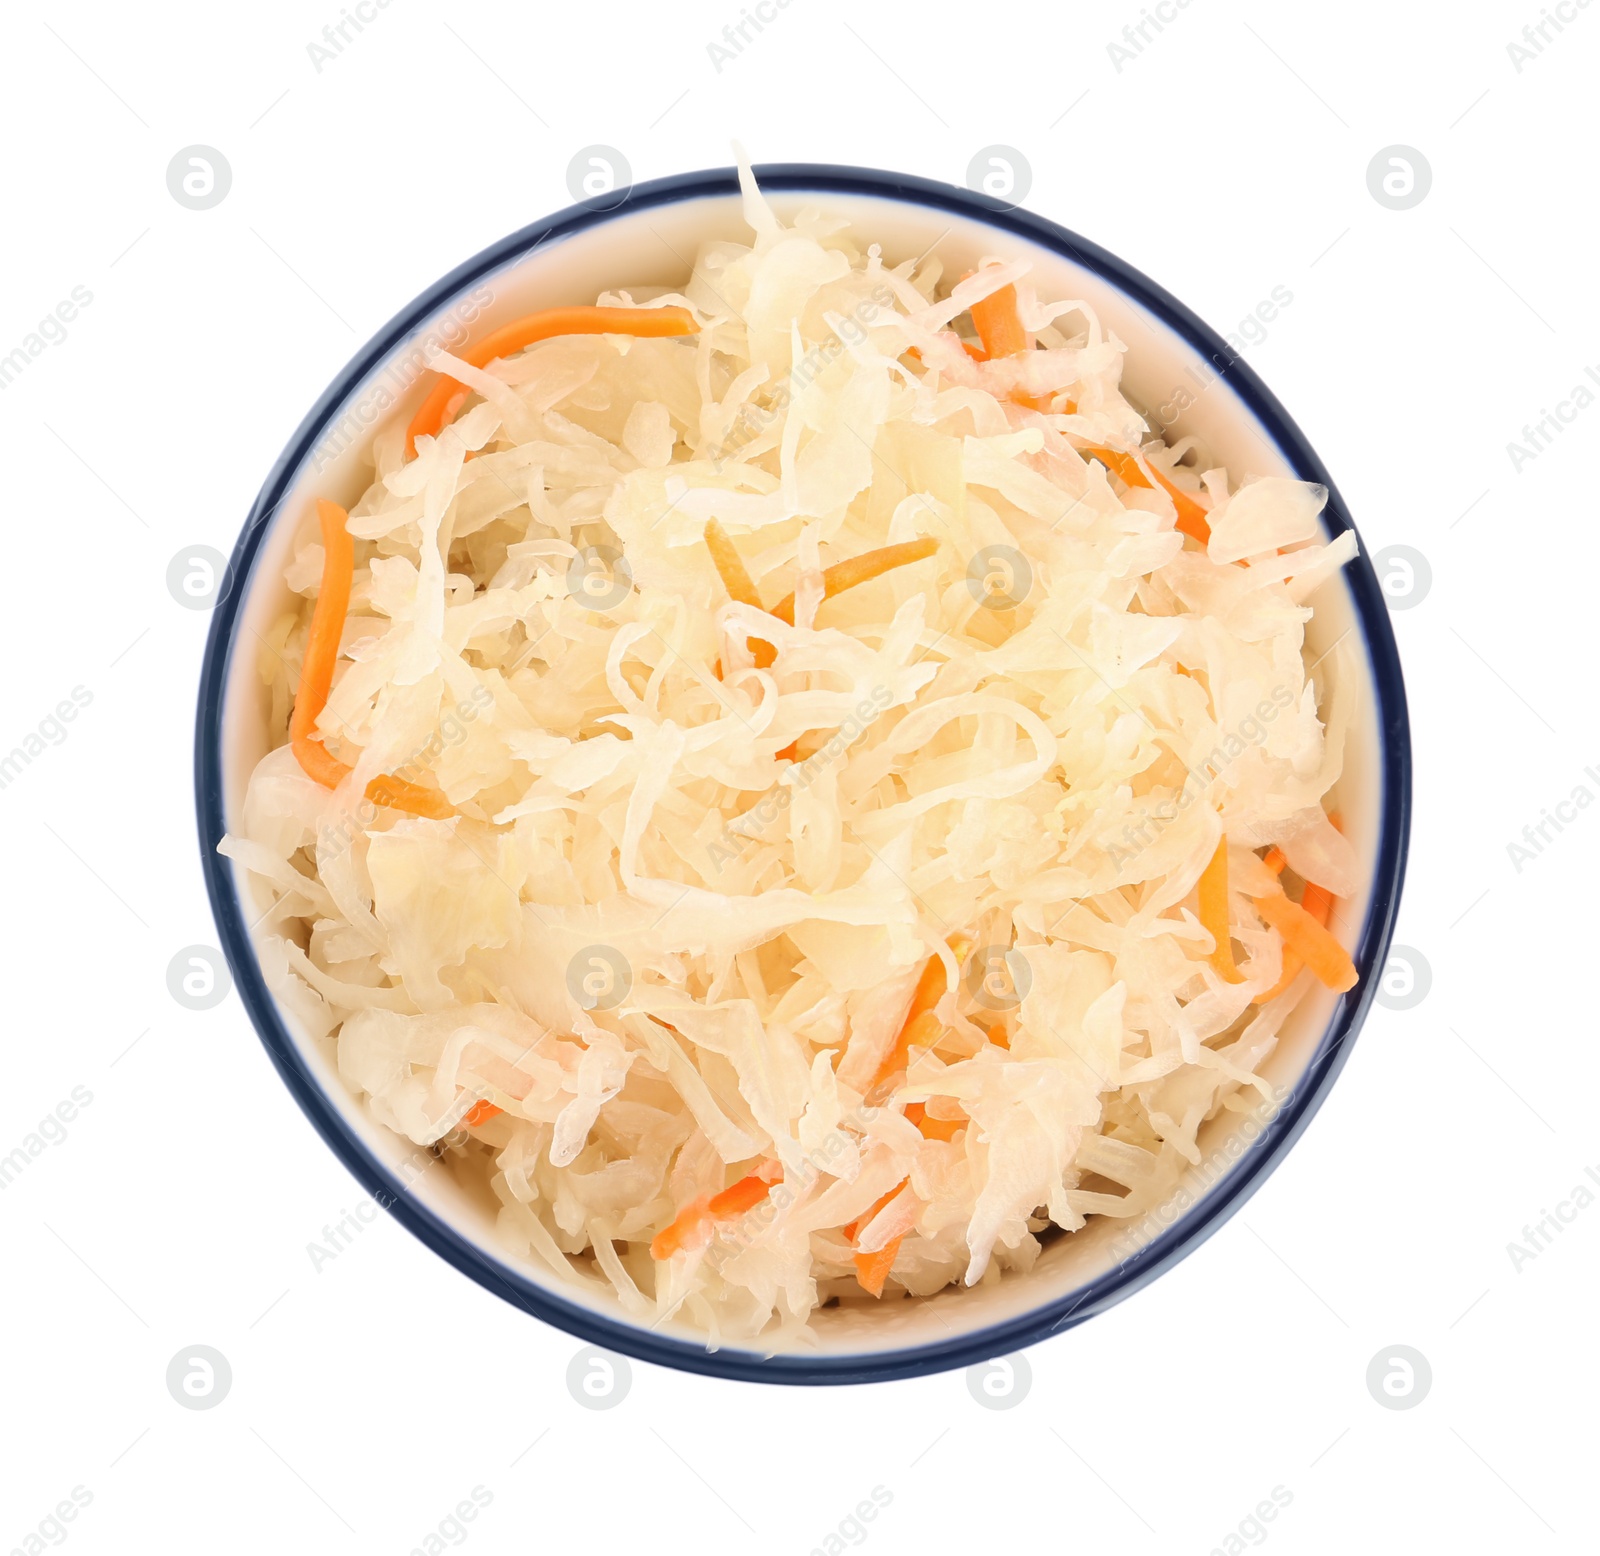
x: 1170, y: 1245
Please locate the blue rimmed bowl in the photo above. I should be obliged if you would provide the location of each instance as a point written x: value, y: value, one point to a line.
x: 1190, y: 381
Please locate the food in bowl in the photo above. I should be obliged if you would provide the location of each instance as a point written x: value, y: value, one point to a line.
x: 793, y: 785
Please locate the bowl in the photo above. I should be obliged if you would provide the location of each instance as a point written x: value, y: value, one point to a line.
x: 1181, y: 371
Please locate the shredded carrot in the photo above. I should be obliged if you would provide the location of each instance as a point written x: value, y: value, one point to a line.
x: 438, y: 410
x: 1275, y: 860
x: 921, y: 1026
x: 691, y: 1225
x: 872, y: 1269
x: 730, y: 567
x: 745, y: 1195
x: 322, y: 641
x: 1214, y: 912
x: 1318, y: 902
x: 998, y: 1035
x: 316, y: 678
x: 1309, y: 940
x: 740, y: 586
x: 790, y: 753
x: 1192, y: 520
x: 938, y: 1128
x: 999, y: 324
x: 687, y: 1225
x: 481, y: 1113
x: 863, y: 569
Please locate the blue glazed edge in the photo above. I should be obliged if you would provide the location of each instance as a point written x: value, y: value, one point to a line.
x: 1169, y: 1246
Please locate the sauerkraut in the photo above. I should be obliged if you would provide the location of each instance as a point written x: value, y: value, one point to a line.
x: 758, y: 954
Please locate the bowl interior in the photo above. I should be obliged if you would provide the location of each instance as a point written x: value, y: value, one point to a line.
x: 1166, y: 374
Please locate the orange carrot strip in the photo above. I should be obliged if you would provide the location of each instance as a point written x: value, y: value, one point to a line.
x: 1120, y: 464
x: 316, y: 678
x: 730, y: 567
x: 1309, y: 940
x: 863, y: 569
x: 1318, y: 902
x: 921, y: 1030
x: 1192, y: 519
x: 740, y: 586
x: 687, y: 1225
x: 437, y: 410
x: 322, y: 641
x: 744, y: 1195
x: 872, y: 1269
x: 999, y: 324
x: 689, y: 1228
x: 998, y: 1034
x: 481, y: 1113
x: 933, y: 1128
x: 1214, y: 912
x: 939, y: 1128
x: 1275, y: 860
x: 855, y: 1226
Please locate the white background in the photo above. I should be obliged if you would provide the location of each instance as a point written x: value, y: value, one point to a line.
x: 1228, y: 158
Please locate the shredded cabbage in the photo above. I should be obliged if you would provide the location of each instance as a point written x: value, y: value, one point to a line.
x: 674, y: 929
